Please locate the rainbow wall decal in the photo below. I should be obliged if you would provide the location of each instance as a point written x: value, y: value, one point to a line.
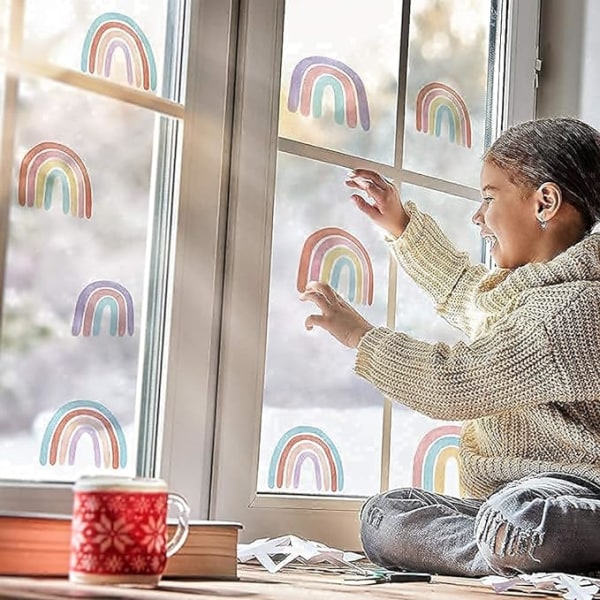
x: 432, y: 455
x: 330, y: 253
x: 82, y: 417
x: 436, y: 103
x: 47, y: 164
x: 301, y: 444
x: 112, y: 31
x: 313, y: 75
x: 91, y: 303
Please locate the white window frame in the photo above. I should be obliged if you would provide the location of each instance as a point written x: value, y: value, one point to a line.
x: 182, y: 423
x: 243, y: 346
x: 212, y: 378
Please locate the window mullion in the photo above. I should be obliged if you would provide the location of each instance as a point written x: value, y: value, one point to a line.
x: 17, y: 64
x: 164, y: 175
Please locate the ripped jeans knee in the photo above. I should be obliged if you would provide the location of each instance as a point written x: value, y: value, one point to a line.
x: 542, y: 523
x: 507, y: 546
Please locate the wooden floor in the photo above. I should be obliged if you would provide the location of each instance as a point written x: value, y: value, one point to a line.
x: 257, y: 584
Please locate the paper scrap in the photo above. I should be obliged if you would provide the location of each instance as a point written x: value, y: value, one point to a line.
x: 275, y: 553
x: 570, y: 587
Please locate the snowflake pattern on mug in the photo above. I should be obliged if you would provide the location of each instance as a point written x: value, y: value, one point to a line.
x: 119, y: 533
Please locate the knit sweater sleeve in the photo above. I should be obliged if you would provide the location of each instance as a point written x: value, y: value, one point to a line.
x: 429, y: 258
x: 513, y: 366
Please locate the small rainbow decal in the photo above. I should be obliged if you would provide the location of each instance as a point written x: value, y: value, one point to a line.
x: 330, y: 253
x: 90, y: 305
x: 298, y: 445
x: 48, y: 163
x: 432, y: 455
x: 112, y: 31
x: 74, y: 419
x: 313, y: 75
x: 436, y: 100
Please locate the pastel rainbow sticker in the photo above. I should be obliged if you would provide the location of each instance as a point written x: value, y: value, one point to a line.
x: 332, y: 255
x: 301, y: 444
x: 114, y: 31
x: 434, y: 451
x: 48, y: 164
x: 313, y: 75
x: 71, y: 422
x: 438, y: 103
x: 97, y: 297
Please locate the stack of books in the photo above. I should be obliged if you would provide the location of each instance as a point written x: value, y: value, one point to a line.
x: 38, y: 545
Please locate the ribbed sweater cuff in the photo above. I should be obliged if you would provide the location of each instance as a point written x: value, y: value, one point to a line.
x: 366, y: 360
x: 427, y: 256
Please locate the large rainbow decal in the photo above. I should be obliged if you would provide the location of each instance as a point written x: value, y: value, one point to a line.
x: 301, y: 444
x: 112, y: 31
x: 436, y: 103
x: 313, y: 75
x: 71, y: 422
x: 91, y: 303
x: 328, y: 255
x: 434, y: 451
x: 47, y: 164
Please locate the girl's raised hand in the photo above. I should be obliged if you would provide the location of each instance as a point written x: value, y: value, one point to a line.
x: 338, y: 317
x: 386, y: 210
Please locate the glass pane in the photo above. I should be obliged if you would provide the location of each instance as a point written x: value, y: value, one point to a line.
x: 310, y: 443
x: 312, y: 399
x: 446, y: 88
x: 339, y: 83
x: 424, y: 451
x: 74, y: 284
x: 123, y: 40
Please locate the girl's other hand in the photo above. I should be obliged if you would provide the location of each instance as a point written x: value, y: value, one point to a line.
x: 386, y: 210
x: 338, y: 318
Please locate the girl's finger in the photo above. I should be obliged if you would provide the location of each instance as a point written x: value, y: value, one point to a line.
x: 373, y: 176
x: 323, y: 289
x: 312, y: 321
x: 317, y: 290
x: 364, y: 206
x: 377, y: 194
x: 360, y: 183
x: 321, y: 301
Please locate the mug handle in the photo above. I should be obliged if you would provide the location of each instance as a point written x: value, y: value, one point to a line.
x: 183, y: 520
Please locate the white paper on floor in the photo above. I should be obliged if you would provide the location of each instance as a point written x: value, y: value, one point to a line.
x: 274, y: 553
x: 571, y: 587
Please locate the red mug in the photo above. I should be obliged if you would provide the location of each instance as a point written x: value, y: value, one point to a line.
x: 119, y: 530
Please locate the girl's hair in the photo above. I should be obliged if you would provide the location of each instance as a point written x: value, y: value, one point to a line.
x: 562, y: 150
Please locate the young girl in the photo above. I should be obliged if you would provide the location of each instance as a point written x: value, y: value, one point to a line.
x: 527, y: 386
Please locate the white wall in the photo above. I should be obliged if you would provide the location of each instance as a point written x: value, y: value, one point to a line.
x: 570, y: 51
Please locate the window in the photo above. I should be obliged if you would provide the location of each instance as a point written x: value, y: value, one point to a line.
x: 414, y: 90
x: 104, y: 152
x: 240, y: 172
x: 83, y: 212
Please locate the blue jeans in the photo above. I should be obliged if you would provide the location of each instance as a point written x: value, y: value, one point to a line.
x: 547, y: 522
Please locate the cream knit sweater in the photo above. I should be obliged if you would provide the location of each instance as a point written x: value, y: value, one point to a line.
x: 528, y: 384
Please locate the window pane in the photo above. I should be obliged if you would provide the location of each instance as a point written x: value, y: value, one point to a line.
x: 340, y: 83
x: 424, y: 452
x: 74, y: 284
x: 123, y: 40
x: 312, y: 398
x: 446, y: 88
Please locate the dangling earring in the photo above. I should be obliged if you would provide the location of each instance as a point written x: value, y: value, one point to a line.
x: 543, y: 223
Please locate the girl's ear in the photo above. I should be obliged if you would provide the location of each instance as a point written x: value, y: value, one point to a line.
x: 548, y: 199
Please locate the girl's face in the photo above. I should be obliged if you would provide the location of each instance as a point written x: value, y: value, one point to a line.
x: 507, y: 219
